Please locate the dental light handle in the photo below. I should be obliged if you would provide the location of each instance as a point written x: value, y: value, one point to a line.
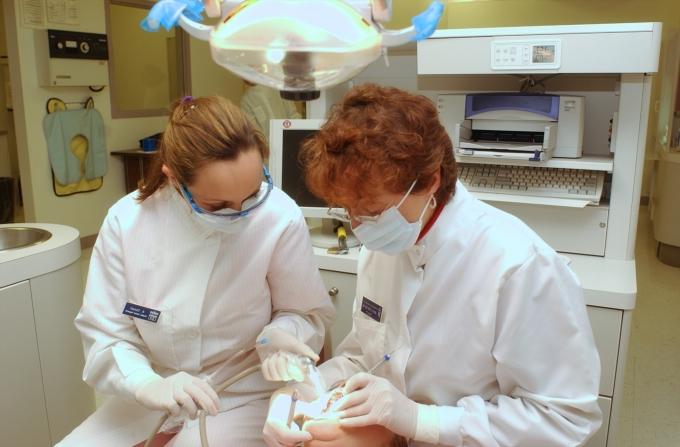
x: 423, y: 26
x: 201, y: 413
x: 219, y: 8
x: 195, y: 29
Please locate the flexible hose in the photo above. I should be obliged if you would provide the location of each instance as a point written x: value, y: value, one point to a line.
x: 201, y: 413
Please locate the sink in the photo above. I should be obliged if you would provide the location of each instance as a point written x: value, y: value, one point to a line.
x: 19, y: 237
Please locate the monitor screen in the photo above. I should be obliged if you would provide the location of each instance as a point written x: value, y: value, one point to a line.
x: 285, y: 139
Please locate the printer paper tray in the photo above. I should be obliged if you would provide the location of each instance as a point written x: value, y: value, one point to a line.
x: 493, y: 145
x: 531, y: 200
x: 503, y: 155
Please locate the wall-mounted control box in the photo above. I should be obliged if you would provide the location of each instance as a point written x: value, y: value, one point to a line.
x: 71, y: 58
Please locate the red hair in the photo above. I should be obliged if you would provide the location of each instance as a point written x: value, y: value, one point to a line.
x: 376, y: 140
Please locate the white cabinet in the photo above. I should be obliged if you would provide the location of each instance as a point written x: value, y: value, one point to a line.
x: 341, y: 288
x: 599, y: 439
x: 57, y: 297
x: 568, y: 230
x: 43, y: 395
x: 22, y: 413
x: 606, y: 324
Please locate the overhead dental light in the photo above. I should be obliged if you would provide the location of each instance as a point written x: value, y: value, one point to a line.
x: 295, y: 46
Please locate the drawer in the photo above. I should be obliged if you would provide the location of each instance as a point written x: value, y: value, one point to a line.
x: 570, y: 230
x: 341, y: 288
x: 606, y: 324
x: 599, y: 439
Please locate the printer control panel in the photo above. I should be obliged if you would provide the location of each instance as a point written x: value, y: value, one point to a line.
x: 525, y: 54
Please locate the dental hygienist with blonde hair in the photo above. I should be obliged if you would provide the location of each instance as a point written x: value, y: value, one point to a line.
x: 188, y: 275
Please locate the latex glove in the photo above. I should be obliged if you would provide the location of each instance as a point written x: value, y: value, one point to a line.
x: 279, y: 351
x: 178, y: 392
x: 166, y: 13
x: 276, y: 432
x: 372, y: 400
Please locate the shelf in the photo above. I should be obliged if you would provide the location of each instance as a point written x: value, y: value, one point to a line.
x: 607, y: 283
x: 134, y: 152
x: 339, y: 263
x: 587, y: 162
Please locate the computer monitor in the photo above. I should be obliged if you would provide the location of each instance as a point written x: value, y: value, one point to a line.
x: 285, y: 140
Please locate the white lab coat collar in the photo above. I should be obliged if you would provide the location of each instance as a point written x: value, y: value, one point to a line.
x: 447, y: 224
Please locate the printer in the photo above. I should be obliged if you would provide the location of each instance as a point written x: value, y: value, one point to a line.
x: 519, y: 126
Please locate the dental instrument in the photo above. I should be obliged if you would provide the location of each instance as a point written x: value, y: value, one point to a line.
x: 312, y: 371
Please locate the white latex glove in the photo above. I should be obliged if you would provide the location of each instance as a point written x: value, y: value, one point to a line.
x: 279, y: 351
x: 276, y: 432
x: 372, y: 400
x: 178, y: 392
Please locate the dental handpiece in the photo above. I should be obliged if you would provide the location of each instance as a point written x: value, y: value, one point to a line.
x: 291, y: 412
x: 314, y: 375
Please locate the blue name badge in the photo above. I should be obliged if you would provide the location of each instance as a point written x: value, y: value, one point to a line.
x: 371, y: 309
x: 141, y: 312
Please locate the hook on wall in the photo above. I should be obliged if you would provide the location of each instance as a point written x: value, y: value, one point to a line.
x: 57, y: 104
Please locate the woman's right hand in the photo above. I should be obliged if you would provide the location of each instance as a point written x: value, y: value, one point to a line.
x: 276, y: 432
x: 180, y: 391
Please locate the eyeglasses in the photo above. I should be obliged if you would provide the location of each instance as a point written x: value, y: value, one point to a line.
x: 343, y: 215
x: 258, y: 199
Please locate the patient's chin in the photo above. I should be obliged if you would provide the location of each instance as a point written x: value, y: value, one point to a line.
x: 330, y: 430
x: 323, y: 429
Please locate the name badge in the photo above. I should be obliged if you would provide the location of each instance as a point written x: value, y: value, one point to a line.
x: 371, y: 309
x: 141, y: 312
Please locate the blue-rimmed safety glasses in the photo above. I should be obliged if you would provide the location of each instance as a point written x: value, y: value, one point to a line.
x: 247, y: 206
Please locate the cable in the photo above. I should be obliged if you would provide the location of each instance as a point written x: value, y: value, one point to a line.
x: 201, y: 413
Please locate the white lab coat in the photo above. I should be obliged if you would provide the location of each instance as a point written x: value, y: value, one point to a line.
x: 486, y: 322
x: 215, y: 292
x: 263, y: 104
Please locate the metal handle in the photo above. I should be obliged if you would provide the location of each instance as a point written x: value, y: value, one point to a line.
x: 333, y: 291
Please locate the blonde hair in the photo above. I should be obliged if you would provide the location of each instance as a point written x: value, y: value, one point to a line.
x: 200, y: 131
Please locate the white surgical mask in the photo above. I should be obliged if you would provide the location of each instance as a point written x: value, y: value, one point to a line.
x: 225, y: 225
x: 391, y: 233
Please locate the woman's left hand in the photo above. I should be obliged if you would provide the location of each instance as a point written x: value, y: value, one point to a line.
x: 279, y: 351
x: 372, y: 400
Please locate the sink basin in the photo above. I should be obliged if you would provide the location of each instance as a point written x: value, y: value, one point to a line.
x: 19, y: 237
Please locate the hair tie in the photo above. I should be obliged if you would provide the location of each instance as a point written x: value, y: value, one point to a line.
x: 187, y: 98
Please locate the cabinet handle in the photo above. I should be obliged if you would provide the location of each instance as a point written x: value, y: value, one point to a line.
x: 333, y: 291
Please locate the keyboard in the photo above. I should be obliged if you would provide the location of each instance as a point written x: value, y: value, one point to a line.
x: 533, y: 181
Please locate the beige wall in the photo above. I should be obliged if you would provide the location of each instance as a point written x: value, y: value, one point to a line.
x: 5, y: 163
x: 141, y: 76
x: 82, y: 211
x: 3, y: 39
x: 208, y: 78
x: 404, y: 10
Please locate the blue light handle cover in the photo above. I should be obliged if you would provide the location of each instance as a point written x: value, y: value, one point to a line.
x: 426, y: 22
x: 166, y: 13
